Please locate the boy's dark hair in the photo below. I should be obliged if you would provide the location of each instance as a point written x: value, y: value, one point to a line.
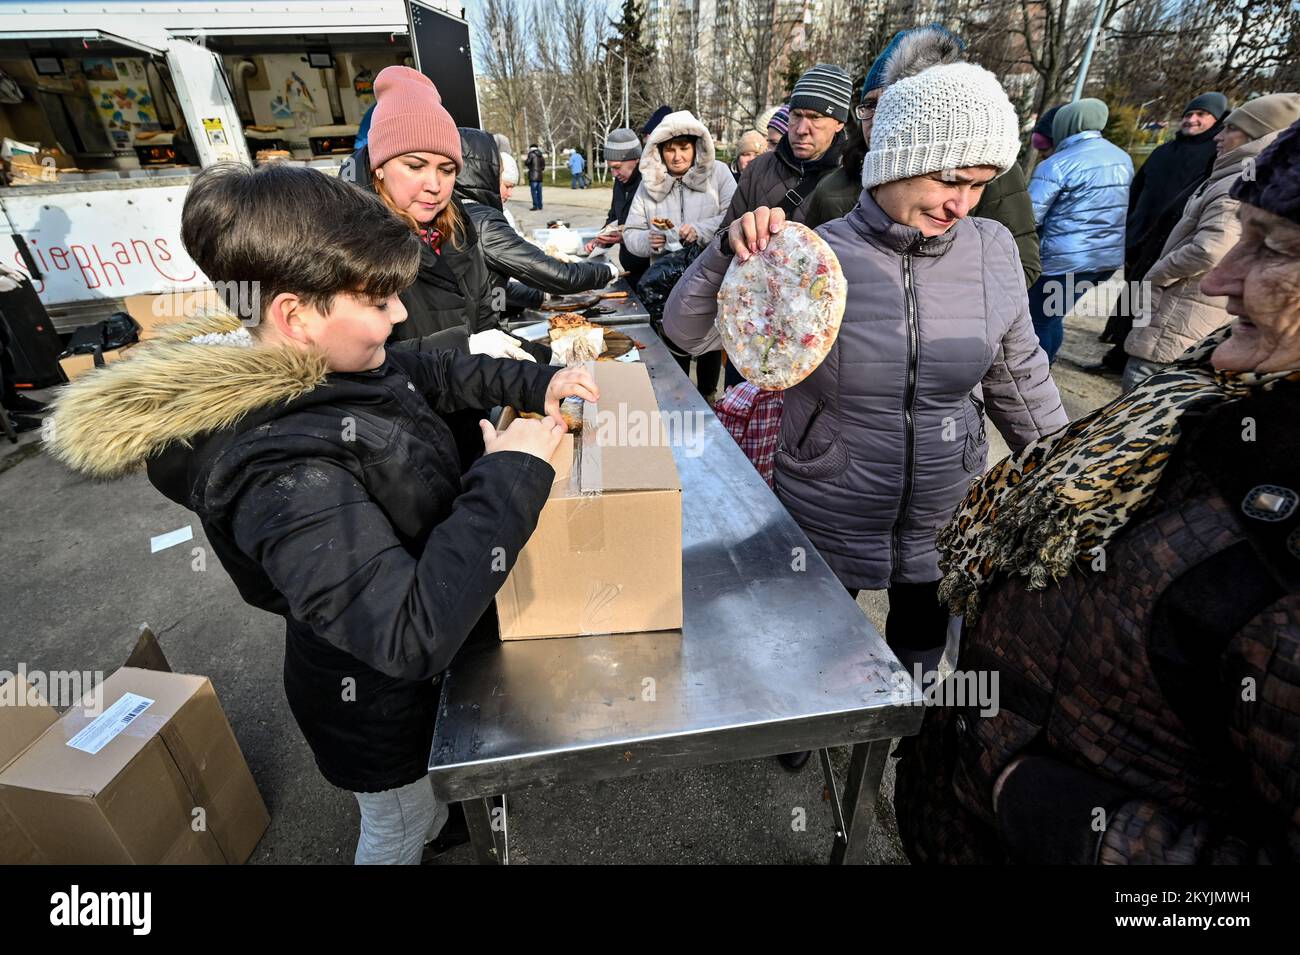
x: 279, y: 228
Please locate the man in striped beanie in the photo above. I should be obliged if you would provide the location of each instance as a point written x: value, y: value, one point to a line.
x: 786, y: 176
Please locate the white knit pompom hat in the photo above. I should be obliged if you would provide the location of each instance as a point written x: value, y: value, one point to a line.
x: 946, y: 117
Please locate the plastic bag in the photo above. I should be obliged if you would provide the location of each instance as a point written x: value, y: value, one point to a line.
x: 113, y: 332
x: 660, y: 278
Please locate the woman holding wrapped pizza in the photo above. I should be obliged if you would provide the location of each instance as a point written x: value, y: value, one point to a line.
x: 683, y: 194
x: 880, y: 442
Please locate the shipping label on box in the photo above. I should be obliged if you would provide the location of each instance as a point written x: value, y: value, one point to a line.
x: 606, y: 556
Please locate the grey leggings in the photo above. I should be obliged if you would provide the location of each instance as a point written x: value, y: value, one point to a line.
x: 396, y: 823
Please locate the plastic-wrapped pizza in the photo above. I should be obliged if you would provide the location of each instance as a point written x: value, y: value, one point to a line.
x: 780, y: 310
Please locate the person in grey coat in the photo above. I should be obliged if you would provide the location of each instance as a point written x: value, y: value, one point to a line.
x: 879, y: 444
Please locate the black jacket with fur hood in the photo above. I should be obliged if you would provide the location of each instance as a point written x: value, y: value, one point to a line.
x: 336, y: 501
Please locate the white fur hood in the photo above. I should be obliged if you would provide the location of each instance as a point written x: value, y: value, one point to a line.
x: 654, y: 174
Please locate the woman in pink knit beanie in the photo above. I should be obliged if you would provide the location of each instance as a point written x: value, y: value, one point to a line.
x: 415, y: 151
x: 411, y: 161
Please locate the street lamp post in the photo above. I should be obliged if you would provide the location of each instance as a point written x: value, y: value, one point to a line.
x: 1087, y: 52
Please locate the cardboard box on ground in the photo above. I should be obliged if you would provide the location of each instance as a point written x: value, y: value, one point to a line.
x: 149, y: 311
x: 167, y: 784
x: 607, y: 553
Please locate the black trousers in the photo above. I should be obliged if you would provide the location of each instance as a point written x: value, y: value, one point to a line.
x: 916, y: 620
x: 707, y: 368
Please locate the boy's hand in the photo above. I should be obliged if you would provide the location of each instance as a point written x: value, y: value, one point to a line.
x: 574, y: 381
x: 538, y: 437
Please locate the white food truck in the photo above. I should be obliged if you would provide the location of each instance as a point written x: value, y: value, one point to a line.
x: 108, y: 109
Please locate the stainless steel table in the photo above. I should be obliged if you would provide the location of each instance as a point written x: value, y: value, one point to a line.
x: 774, y: 657
x: 623, y: 311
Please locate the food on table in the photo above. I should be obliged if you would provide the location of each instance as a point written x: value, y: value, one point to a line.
x: 574, y: 339
x: 779, y: 311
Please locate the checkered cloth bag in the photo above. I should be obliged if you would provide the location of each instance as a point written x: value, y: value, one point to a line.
x: 753, y: 417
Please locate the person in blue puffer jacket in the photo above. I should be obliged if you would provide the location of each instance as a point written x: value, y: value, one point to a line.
x: 1080, y: 197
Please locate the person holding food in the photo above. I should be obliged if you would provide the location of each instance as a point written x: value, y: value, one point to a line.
x: 879, y: 443
x: 1005, y: 199
x: 684, y: 189
x: 623, y: 156
x: 319, y: 461
x: 683, y: 194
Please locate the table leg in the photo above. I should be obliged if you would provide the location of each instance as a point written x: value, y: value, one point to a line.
x: 861, y: 790
x: 486, y: 822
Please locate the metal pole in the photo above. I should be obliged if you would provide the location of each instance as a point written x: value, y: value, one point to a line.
x: 627, y: 119
x: 1087, y: 52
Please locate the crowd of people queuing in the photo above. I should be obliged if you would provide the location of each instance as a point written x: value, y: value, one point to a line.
x: 1122, y: 674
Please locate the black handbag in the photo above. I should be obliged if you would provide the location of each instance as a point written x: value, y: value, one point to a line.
x: 116, y: 331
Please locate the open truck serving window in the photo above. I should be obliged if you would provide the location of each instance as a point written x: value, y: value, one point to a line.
x: 108, y: 110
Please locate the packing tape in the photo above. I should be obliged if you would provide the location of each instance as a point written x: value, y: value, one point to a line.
x: 591, y: 474
x: 585, y: 520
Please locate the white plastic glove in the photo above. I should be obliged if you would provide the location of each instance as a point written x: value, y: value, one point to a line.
x: 614, y: 271
x: 497, y: 344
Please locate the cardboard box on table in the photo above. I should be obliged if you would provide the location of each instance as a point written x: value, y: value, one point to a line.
x: 135, y: 800
x: 607, y: 553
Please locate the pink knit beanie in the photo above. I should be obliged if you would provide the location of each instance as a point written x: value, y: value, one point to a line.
x: 409, y: 118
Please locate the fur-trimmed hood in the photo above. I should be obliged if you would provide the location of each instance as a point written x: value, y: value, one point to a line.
x: 109, y: 422
x: 654, y: 174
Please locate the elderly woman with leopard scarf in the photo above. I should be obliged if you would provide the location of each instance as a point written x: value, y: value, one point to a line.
x: 1134, y: 580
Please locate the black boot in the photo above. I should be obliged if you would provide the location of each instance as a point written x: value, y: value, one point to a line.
x: 794, y: 762
x: 454, y: 832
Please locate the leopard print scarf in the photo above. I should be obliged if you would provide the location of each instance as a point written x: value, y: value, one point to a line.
x: 1036, y: 512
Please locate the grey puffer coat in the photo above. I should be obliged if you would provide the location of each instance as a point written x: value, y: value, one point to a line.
x: 880, y: 443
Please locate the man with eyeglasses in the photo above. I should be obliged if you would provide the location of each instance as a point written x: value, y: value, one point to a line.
x: 787, y: 176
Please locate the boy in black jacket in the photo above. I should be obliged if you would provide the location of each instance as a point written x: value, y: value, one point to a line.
x: 322, y: 471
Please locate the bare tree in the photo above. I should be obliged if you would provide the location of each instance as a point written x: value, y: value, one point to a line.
x: 758, y: 34
x: 504, y: 54
x: 547, y: 79
x: 671, y: 76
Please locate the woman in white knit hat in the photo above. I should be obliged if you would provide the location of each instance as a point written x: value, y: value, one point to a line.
x: 880, y: 443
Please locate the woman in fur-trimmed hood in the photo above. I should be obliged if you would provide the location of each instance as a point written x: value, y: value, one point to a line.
x: 682, y: 184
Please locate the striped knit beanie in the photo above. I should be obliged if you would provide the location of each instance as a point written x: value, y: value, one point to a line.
x: 778, y: 118
x: 824, y: 89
